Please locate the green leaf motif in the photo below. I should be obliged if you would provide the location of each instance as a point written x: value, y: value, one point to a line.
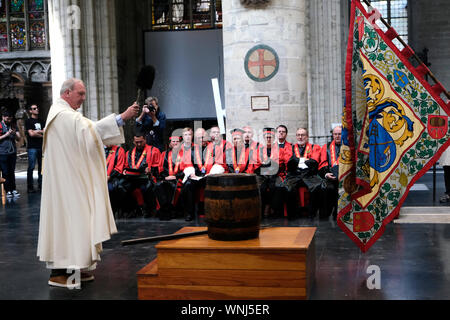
x: 380, y: 57
x: 383, y: 46
x: 423, y: 96
x: 371, y: 43
x: 414, y: 95
x: 423, y: 112
x: 389, y: 77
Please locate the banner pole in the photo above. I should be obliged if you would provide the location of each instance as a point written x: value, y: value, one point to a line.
x: 447, y: 94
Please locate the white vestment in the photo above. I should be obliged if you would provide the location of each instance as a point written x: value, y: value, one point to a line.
x: 76, y: 215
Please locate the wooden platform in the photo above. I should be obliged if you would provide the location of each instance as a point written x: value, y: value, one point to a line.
x: 280, y: 264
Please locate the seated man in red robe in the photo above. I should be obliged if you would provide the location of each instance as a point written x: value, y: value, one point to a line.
x: 169, y: 186
x: 239, y: 158
x: 302, y: 172
x: 284, y: 145
x: 329, y: 171
x: 248, y: 140
x: 141, y: 171
x: 115, y: 163
x: 216, y: 150
x: 270, y: 170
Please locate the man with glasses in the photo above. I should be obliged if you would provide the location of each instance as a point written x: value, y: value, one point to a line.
x: 34, y: 129
x: 302, y: 172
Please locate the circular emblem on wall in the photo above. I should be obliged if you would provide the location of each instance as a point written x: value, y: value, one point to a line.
x: 261, y: 63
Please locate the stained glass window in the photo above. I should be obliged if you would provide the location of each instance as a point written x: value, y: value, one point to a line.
x: 36, y: 16
x: 16, y: 5
x: 35, y: 5
x: 37, y: 34
x: 18, y: 36
x: 2, y: 10
x: 36, y: 9
x: 23, y: 25
x: 3, y: 38
x: 186, y: 14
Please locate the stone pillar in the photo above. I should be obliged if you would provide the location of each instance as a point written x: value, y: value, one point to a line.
x: 83, y: 45
x: 325, y: 67
x: 281, y: 25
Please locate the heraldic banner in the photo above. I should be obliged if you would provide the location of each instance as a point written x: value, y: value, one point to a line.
x: 395, y: 127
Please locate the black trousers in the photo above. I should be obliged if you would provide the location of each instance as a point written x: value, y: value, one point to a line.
x: 447, y: 179
x: 271, y: 192
x: 8, y: 167
x: 289, y: 195
x: 330, y: 196
x: 190, y: 189
x: 147, y: 187
x: 165, y: 193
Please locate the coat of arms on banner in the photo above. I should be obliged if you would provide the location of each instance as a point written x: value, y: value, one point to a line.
x: 395, y: 127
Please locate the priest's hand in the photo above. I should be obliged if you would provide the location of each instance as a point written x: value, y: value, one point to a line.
x: 131, y: 112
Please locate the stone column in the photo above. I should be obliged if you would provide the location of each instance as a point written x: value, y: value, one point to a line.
x: 280, y: 25
x: 325, y: 67
x: 83, y: 45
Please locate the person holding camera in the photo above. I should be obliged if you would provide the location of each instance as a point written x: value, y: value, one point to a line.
x: 9, y: 135
x: 152, y: 122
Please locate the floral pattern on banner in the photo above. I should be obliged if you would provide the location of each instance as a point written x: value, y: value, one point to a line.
x: 394, y: 129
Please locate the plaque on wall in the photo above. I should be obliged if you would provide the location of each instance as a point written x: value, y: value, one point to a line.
x: 260, y: 103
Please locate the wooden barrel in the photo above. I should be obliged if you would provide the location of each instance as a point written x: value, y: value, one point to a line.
x: 232, y: 207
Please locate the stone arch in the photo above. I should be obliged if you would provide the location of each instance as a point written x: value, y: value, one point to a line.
x: 19, y: 68
x: 37, y: 72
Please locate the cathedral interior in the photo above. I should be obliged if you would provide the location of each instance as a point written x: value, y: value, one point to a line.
x: 107, y: 42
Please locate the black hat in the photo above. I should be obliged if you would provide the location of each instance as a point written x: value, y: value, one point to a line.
x: 174, y: 138
x: 269, y: 131
x: 237, y: 131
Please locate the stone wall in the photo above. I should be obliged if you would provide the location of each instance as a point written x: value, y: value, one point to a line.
x: 430, y: 28
x: 309, y: 40
x: 280, y: 25
x: 82, y: 34
x: 326, y: 44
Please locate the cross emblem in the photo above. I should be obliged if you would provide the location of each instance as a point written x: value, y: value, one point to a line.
x: 261, y: 63
x: 400, y: 78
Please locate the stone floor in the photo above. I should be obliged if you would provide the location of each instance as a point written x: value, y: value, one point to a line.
x: 414, y: 259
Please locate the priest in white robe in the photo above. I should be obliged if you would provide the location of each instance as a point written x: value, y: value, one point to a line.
x: 76, y: 215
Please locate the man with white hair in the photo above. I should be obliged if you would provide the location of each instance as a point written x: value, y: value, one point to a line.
x: 76, y: 215
x: 302, y: 172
